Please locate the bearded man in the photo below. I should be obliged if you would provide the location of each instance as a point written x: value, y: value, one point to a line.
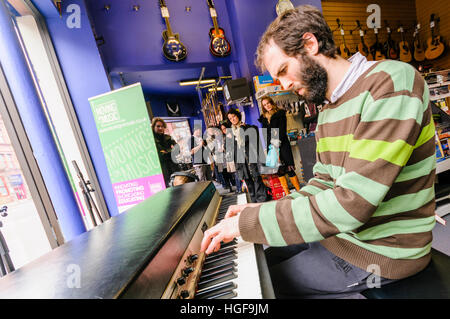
x: 369, y: 210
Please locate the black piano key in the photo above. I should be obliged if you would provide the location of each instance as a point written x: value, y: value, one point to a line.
x: 216, y: 290
x: 209, y: 269
x: 217, y: 280
x: 222, y: 250
x: 218, y: 272
x: 231, y: 243
x: 219, y: 254
x: 220, y: 260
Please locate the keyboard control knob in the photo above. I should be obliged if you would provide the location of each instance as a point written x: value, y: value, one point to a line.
x: 181, y: 281
x: 184, y: 294
x: 186, y: 271
x: 192, y: 258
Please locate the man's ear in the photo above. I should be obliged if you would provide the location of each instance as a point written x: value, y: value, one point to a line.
x: 311, y: 43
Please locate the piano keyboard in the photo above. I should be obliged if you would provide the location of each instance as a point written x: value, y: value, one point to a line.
x: 231, y: 272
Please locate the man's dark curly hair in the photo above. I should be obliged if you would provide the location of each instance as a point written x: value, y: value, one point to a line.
x: 287, y: 31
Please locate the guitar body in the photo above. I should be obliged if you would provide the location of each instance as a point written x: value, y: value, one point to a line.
x: 435, y: 48
x: 345, y: 52
x: 219, y: 45
x: 419, y: 53
x: 364, y: 50
x: 391, y: 52
x: 173, y: 49
x: 404, y: 52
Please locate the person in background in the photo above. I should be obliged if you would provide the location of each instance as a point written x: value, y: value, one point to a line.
x: 247, y: 156
x: 200, y: 156
x: 274, y: 120
x: 229, y: 173
x: 215, y: 141
x: 164, y: 145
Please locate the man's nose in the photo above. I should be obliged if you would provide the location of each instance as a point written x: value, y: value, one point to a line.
x: 287, y: 84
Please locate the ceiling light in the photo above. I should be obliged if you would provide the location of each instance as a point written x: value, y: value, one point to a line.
x: 206, y: 81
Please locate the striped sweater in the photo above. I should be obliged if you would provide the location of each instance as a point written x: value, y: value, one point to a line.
x: 371, y: 200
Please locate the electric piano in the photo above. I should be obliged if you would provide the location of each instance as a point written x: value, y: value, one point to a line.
x: 149, y: 251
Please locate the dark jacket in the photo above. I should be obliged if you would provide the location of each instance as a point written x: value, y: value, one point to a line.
x: 248, y: 158
x: 164, y: 143
x: 278, y: 120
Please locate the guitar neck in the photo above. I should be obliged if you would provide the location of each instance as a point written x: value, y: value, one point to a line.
x: 216, y: 24
x: 169, y: 28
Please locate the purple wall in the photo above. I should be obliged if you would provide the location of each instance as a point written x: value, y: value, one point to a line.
x: 133, y: 39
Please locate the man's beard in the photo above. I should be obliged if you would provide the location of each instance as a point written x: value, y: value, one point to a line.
x: 314, y: 79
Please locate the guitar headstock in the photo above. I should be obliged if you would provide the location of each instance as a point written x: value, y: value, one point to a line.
x: 434, y: 20
x: 388, y: 28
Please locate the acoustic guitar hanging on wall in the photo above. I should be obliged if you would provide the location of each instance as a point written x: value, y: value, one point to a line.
x: 173, y: 49
x: 403, y: 47
x: 219, y: 45
x: 435, y: 47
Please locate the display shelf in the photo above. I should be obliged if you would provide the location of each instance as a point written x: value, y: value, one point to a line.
x: 443, y: 166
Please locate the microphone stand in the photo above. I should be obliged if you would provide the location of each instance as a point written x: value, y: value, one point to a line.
x: 86, y: 190
x: 6, y: 264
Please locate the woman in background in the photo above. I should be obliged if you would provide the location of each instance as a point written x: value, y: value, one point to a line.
x: 230, y: 173
x: 164, y: 144
x: 246, y: 156
x: 274, y: 120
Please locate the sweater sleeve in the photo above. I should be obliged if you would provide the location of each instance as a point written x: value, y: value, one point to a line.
x: 390, y: 128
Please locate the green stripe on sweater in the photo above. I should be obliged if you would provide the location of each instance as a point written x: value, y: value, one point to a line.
x: 404, y: 203
x: 397, y: 152
x: 269, y: 224
x: 333, y: 211
x: 401, y: 74
x: 427, y: 133
x: 345, y: 110
x: 303, y: 219
x: 419, y: 169
x: 390, y: 252
x: 368, y: 189
x: 313, y: 190
x: 400, y: 107
x: 409, y: 226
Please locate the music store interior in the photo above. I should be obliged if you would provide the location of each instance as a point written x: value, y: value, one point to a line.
x: 96, y: 97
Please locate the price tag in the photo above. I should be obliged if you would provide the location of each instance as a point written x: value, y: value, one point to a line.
x: 342, y: 32
x: 361, y: 33
x: 400, y: 29
x: 388, y: 30
x: 165, y: 12
x: 213, y: 12
x: 432, y: 24
x: 375, y: 30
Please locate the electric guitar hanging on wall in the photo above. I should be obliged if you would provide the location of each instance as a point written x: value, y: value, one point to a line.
x: 173, y: 49
x: 434, y: 45
x: 404, y: 51
x: 219, y: 45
